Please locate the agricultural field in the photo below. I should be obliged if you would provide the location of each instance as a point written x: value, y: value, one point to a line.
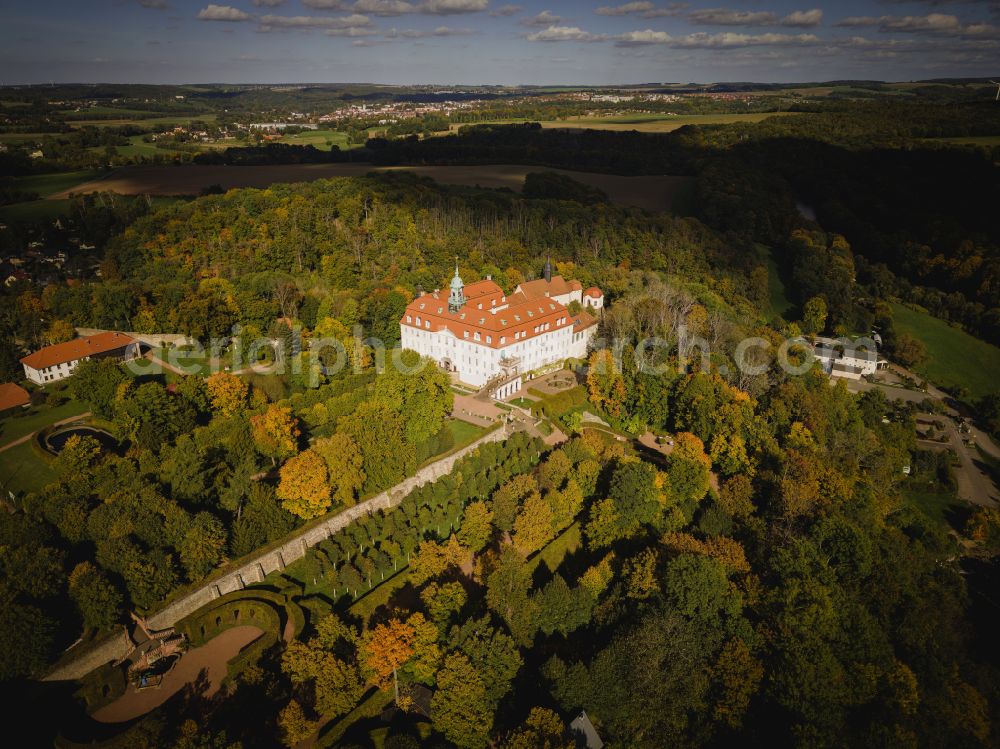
x: 49, y: 184
x: 978, y: 140
x: 955, y: 358
x: 659, y: 123
x: 654, y: 193
x: 159, y: 121
x: 321, y: 139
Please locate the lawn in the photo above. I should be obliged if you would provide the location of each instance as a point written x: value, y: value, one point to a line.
x: 935, y: 505
x: 556, y: 550
x: 37, y: 417
x: 22, y: 470
x: 955, y: 358
x: 464, y: 432
x: 777, y: 298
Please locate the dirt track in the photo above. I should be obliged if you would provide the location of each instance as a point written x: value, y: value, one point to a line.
x: 210, y: 658
x: 654, y: 193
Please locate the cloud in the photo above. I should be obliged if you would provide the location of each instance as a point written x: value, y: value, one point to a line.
x: 272, y: 3
x: 351, y: 31
x: 852, y: 22
x: 934, y: 24
x: 727, y: 17
x: 803, y: 19
x: 452, y: 7
x: 384, y: 7
x: 623, y: 10
x: 727, y: 39
x: 222, y: 13
x: 154, y: 4
x: 506, y: 10
x: 544, y: 19
x: 439, y: 31
x: 271, y: 23
x: 642, y: 38
x: 565, y: 34
x: 671, y: 9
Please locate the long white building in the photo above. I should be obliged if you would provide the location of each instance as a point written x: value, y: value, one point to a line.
x: 486, y: 337
x: 58, y: 362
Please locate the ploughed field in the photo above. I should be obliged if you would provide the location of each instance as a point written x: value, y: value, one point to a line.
x: 654, y: 193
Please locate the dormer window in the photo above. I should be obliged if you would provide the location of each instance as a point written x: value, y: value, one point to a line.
x: 503, y: 340
x: 467, y: 334
x: 427, y: 324
x: 409, y: 318
x: 475, y: 336
x: 489, y: 339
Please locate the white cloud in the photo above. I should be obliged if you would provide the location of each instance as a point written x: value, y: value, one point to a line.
x: 506, y: 10
x: 727, y: 17
x: 351, y: 31
x: 270, y: 23
x: 934, y: 24
x: 565, y: 34
x: 222, y: 13
x: 671, y: 9
x: 642, y: 38
x: 451, y: 7
x: 543, y: 20
x: 728, y: 39
x: 803, y: 18
x: 425, y: 33
x: 384, y: 7
x: 857, y: 22
x: 642, y: 6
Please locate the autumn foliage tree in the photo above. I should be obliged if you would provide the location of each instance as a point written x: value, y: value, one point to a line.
x: 227, y: 393
x: 275, y: 432
x: 384, y: 649
x: 304, y: 489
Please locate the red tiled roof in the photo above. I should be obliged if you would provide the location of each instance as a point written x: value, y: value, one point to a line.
x: 520, y: 315
x: 76, y: 349
x: 594, y: 292
x: 583, y: 320
x: 540, y: 288
x: 13, y: 395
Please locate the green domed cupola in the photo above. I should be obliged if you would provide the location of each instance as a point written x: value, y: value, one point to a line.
x: 456, y: 300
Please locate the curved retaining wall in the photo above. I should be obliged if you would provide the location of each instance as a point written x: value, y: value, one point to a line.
x: 263, y: 564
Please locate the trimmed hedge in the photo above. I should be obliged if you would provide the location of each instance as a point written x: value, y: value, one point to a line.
x: 252, y: 607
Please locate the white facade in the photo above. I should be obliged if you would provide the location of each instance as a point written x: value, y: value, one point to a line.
x: 493, y: 339
x: 52, y: 373
x: 845, y: 358
x: 477, y: 361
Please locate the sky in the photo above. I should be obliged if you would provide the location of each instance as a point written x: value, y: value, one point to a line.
x: 490, y: 42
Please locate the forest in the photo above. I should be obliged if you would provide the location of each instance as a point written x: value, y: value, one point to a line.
x: 768, y: 579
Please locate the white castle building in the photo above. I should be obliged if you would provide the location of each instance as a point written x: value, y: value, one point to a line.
x: 490, y: 339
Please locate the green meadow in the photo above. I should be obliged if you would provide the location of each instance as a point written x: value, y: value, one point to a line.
x: 955, y: 358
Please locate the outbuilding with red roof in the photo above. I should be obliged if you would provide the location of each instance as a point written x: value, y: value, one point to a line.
x: 57, y: 362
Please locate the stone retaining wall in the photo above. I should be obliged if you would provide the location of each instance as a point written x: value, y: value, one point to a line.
x: 255, y: 569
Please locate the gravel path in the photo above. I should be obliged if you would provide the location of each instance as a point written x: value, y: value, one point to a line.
x: 210, y: 659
